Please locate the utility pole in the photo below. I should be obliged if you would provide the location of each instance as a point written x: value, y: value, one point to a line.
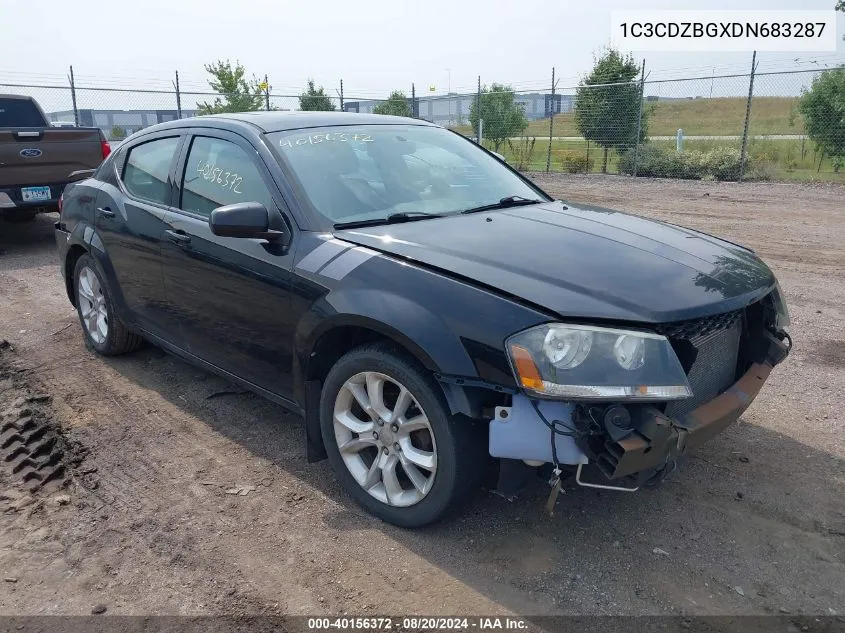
x: 747, y: 117
x: 178, y: 98
x: 73, y: 98
x: 639, y: 120
x: 712, y: 77
x: 341, y: 95
x: 551, y: 123
x: 413, y: 101
x: 267, y: 93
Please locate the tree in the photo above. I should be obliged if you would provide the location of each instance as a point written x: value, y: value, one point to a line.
x: 823, y: 110
x: 315, y: 99
x: 396, y: 104
x: 239, y: 94
x: 502, y: 117
x: 607, y: 114
x: 840, y: 6
x: 118, y: 133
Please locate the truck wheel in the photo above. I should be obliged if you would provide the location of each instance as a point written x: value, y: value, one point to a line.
x: 391, y: 440
x: 104, y: 331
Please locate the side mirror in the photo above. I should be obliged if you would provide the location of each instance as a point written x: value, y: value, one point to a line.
x: 244, y: 219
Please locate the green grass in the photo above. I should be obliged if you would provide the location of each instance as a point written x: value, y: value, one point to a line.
x: 726, y: 116
x: 776, y: 159
x: 697, y: 117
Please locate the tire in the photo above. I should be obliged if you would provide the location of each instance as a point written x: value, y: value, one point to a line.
x: 458, y: 444
x: 117, y: 339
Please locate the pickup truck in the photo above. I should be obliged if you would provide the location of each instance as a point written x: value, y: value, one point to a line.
x: 37, y: 160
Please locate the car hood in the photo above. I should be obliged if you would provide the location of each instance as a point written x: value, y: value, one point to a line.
x: 582, y: 262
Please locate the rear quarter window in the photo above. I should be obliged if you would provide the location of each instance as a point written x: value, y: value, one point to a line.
x: 147, y: 167
x: 106, y: 171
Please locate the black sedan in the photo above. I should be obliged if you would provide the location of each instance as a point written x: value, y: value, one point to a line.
x: 424, y: 306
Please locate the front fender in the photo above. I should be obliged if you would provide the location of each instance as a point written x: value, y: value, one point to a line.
x: 419, y: 330
x: 452, y: 326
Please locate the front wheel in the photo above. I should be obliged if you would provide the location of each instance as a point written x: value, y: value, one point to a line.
x: 391, y: 440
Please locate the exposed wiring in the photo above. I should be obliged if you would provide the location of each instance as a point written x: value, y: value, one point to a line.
x: 554, y: 424
x: 553, y: 428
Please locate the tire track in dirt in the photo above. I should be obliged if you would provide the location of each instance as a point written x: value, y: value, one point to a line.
x: 168, y: 543
x: 140, y: 447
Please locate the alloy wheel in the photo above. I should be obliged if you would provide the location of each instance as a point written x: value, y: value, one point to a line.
x: 92, y: 305
x: 385, y: 439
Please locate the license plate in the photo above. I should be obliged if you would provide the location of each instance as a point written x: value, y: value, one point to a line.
x: 30, y: 194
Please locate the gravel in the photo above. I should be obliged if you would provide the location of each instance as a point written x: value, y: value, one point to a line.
x: 145, y: 533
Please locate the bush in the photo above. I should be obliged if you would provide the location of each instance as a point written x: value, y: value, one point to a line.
x: 574, y: 162
x: 654, y: 161
x: 719, y: 163
x: 522, y: 152
x: 724, y: 163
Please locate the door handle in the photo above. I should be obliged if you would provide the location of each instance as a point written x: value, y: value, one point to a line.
x: 105, y: 212
x: 178, y: 237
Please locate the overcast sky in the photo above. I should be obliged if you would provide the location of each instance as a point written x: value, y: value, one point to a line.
x: 373, y: 45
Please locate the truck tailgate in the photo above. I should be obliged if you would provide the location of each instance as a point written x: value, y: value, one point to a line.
x: 43, y: 156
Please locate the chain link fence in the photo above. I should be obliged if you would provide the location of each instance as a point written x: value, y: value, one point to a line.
x: 727, y: 127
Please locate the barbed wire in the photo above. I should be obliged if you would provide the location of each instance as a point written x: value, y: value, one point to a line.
x: 194, y: 80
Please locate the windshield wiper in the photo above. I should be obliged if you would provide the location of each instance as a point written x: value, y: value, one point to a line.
x: 393, y: 218
x: 504, y: 203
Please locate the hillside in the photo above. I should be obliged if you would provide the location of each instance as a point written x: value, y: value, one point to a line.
x: 697, y: 117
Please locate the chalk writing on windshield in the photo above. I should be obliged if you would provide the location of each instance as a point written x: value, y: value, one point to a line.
x: 331, y: 137
x: 224, y: 178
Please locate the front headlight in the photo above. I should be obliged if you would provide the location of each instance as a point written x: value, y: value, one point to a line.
x: 582, y: 362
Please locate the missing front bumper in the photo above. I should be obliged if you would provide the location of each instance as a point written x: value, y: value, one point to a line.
x: 654, y: 439
x: 659, y: 438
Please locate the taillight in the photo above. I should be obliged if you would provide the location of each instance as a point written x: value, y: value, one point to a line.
x: 61, y: 202
x: 105, y: 148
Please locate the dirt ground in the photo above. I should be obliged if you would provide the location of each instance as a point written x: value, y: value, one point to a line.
x: 155, y: 449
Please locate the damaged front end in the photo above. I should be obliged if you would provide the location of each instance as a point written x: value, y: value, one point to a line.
x: 725, y: 360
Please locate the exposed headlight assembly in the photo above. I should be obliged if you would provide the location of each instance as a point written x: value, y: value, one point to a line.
x: 582, y: 362
x: 781, y: 311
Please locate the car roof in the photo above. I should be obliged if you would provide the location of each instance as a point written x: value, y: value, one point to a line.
x: 273, y: 121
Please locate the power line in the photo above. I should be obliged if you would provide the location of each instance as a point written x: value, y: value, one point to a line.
x: 136, y: 82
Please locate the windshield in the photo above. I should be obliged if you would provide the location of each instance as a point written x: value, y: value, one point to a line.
x: 369, y: 172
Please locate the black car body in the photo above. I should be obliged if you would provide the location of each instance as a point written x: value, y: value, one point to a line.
x: 273, y: 294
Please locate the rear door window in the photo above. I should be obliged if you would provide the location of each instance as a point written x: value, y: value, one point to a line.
x: 219, y: 172
x: 147, y: 167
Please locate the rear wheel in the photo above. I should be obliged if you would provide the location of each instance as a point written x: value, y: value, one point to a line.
x: 391, y: 440
x: 103, y: 329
